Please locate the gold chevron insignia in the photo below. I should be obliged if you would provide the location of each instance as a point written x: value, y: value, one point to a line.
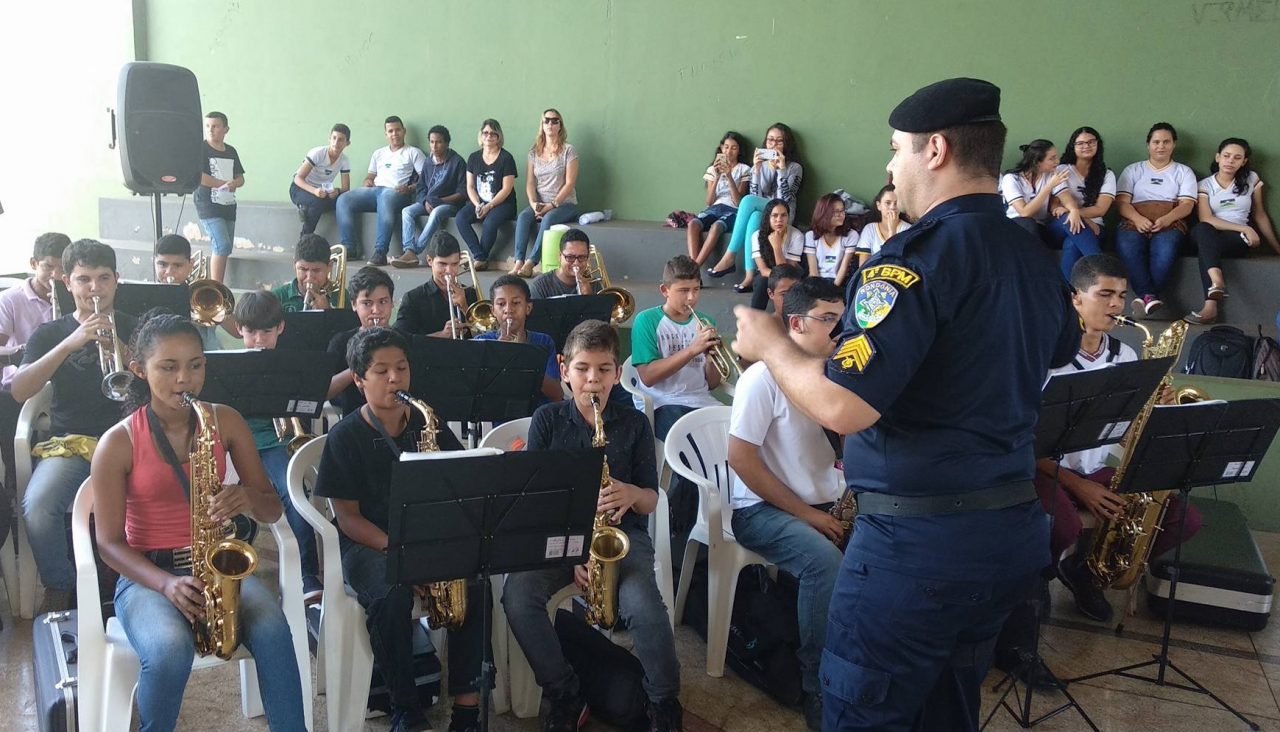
x: 854, y: 354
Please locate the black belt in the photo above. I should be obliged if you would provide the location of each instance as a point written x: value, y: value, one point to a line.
x: 987, y: 499
x: 171, y: 558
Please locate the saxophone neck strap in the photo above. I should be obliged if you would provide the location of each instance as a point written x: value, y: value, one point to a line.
x: 166, y: 450
x: 382, y: 429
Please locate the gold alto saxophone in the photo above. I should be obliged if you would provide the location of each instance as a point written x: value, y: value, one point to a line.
x: 1123, y: 545
x: 219, y: 560
x: 609, y: 544
x: 446, y: 602
x: 844, y: 511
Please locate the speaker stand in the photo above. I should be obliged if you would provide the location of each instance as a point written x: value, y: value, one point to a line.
x: 156, y: 213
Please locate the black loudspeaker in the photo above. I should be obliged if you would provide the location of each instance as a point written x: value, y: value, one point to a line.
x: 160, y: 128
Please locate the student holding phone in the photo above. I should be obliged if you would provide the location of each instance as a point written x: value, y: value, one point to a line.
x: 726, y: 181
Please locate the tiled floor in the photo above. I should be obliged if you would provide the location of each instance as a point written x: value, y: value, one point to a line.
x: 1242, y: 668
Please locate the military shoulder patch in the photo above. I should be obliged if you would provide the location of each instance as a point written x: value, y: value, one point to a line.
x: 898, y: 275
x: 854, y: 354
x: 872, y: 303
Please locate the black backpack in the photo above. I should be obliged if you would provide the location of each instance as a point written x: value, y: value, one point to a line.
x: 1221, y: 351
x: 1266, y: 358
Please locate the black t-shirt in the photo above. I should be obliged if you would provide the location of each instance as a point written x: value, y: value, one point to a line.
x: 351, y: 398
x: 356, y: 464
x: 223, y: 165
x: 79, y: 407
x: 489, y: 177
x: 424, y: 309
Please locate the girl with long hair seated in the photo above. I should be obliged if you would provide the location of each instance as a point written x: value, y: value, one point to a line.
x: 726, y: 179
x: 141, y: 477
x: 829, y: 244
x: 775, y: 242
x: 884, y: 222
x: 1029, y: 187
x: 1090, y: 189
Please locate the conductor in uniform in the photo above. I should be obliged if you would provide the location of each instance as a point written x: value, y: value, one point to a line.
x: 935, y: 383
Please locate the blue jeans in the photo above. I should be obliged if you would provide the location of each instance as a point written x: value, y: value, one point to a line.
x: 524, y: 223
x: 52, y: 488
x: 666, y: 416
x: 311, y: 206
x: 275, y: 461
x: 162, y: 638
x: 801, y: 551
x: 1149, y: 260
x: 1074, y: 246
x: 409, y: 236
x: 750, y: 212
x: 481, y: 248
x: 221, y: 233
x: 385, y: 201
x: 640, y: 608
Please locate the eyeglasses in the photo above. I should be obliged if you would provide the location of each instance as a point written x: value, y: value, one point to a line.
x: 1086, y: 143
x: 488, y: 133
x: 774, y: 139
x: 551, y: 121
x: 575, y: 257
x: 828, y: 319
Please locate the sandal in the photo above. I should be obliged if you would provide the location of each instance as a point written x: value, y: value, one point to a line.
x: 738, y: 288
x: 1217, y: 293
x: 711, y: 271
x: 527, y: 270
x: 1194, y: 318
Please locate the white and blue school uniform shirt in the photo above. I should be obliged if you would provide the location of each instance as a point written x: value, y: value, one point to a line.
x: 870, y: 240
x: 1075, y: 187
x: 323, y: 171
x: 1144, y: 183
x: 393, y: 168
x: 1111, y: 351
x: 1228, y: 205
x: 1016, y: 187
x: 828, y: 257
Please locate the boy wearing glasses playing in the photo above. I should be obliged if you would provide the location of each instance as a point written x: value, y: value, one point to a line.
x: 575, y: 250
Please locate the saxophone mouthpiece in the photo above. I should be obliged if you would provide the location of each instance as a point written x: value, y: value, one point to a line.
x: 1122, y: 320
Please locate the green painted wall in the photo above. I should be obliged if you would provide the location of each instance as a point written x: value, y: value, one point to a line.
x: 648, y: 86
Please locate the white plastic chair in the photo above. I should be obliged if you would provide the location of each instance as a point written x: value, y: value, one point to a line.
x: 109, y: 668
x: 504, y: 436
x: 33, y: 422
x: 698, y: 449
x: 9, y: 564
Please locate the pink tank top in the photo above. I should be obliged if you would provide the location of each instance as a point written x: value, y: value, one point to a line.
x: 156, y: 512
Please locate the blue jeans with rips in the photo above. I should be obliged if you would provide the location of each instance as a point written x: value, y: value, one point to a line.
x: 385, y: 201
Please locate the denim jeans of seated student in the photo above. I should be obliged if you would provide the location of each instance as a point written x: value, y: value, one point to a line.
x: 1148, y: 261
x: 482, y: 247
x: 388, y: 618
x: 313, y: 207
x: 276, y: 462
x: 640, y: 607
x: 50, y: 492
x: 162, y: 638
x: 413, y: 240
x: 221, y: 233
x: 806, y: 554
x: 385, y: 201
x: 525, y: 223
x: 1074, y: 246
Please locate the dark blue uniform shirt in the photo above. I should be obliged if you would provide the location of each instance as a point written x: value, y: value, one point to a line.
x: 948, y: 334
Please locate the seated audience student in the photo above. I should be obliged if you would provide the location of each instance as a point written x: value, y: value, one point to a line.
x: 173, y: 265
x: 142, y: 475
x: 355, y: 472
x: 591, y: 367
x: 425, y: 309
x: 551, y: 179
x: 261, y: 323
x: 785, y: 479
x: 1028, y: 188
x: 1076, y: 223
x: 511, y: 306
x: 575, y: 254
x: 388, y: 188
x: 221, y: 175
x: 1154, y: 197
x: 727, y: 180
x: 441, y: 189
x: 829, y: 245
x: 669, y: 346
x: 310, y: 276
x: 64, y: 352
x: 776, y: 242
x: 372, y: 294
x: 884, y: 222
x: 776, y: 172
x: 1230, y: 199
x: 324, y: 175
x: 783, y: 277
x: 491, y: 198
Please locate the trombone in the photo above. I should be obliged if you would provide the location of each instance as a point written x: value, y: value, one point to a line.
x: 115, y: 380
x: 479, y: 316
x: 721, y: 358
x: 625, y: 305
x: 336, y: 282
x: 290, y: 431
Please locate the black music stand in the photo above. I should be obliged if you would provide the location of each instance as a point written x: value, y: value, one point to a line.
x: 1209, y: 443
x: 556, y: 316
x: 311, y: 330
x: 275, y: 383
x: 476, y: 381
x: 1078, y: 411
x: 136, y: 298
x: 453, y: 516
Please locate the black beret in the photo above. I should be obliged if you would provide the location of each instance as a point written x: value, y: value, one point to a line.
x: 946, y: 104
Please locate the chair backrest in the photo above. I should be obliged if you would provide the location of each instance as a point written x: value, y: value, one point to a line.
x: 632, y: 383
x: 697, y: 448
x: 504, y: 437
x: 91, y: 638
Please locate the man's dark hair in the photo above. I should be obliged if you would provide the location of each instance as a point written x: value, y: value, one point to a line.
x: 440, y: 130
x: 218, y: 116
x: 575, y: 234
x: 1162, y: 126
x: 443, y: 244
x: 339, y: 127
x: 807, y: 292
x: 393, y: 120
x: 591, y: 335
x: 51, y: 244
x: 259, y: 310
x: 977, y: 148
x: 1086, y: 271
x: 367, y: 342
x: 681, y: 267
x: 174, y: 244
x: 368, y: 279
x: 88, y: 253
x: 311, y: 248
x: 784, y: 271
x: 510, y: 280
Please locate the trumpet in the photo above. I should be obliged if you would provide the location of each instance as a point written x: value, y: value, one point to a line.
x: 115, y: 380
x: 721, y: 358
x: 625, y: 306
x: 506, y: 334
x: 199, y: 268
